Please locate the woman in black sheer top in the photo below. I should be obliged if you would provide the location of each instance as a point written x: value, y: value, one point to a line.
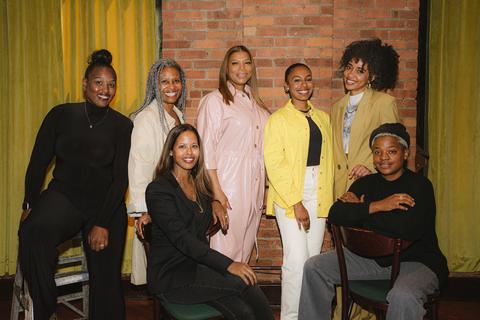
x: 88, y: 143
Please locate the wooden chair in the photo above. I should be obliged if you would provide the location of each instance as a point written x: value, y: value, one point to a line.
x: 21, y: 300
x: 164, y: 310
x: 370, y: 294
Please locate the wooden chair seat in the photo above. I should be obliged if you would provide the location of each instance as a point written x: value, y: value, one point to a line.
x: 189, y: 311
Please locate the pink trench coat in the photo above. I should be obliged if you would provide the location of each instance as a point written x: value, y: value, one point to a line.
x: 232, y: 138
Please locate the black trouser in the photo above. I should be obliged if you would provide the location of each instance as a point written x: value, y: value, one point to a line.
x: 53, y: 221
x: 226, y: 293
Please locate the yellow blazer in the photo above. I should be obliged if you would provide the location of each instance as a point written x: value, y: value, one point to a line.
x: 287, y: 136
x: 375, y: 108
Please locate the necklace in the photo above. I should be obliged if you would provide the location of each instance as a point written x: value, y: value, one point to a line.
x: 351, y: 108
x: 194, y: 197
x: 90, y: 124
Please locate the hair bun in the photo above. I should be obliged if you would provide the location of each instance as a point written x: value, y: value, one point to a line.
x: 102, y: 56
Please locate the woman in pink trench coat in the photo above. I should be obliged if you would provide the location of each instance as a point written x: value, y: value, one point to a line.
x: 231, y: 121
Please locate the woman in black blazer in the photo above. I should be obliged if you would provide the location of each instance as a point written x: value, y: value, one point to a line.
x: 182, y: 268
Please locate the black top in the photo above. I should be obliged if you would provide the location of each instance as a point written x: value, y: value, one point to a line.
x: 179, y: 242
x: 417, y: 223
x: 314, y: 144
x: 90, y: 163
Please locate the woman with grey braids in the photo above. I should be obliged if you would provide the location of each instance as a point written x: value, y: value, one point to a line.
x: 160, y: 112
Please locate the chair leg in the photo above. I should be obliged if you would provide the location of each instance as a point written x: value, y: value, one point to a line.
x: 434, y: 310
x: 380, y: 315
x: 17, y: 287
x: 158, y: 312
x: 85, y: 299
x: 21, y: 300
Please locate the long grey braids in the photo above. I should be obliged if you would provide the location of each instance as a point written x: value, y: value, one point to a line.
x: 153, y: 91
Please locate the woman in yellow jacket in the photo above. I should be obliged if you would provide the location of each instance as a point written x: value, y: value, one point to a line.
x: 299, y: 162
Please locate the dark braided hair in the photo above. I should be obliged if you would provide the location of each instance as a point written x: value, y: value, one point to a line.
x: 99, y: 58
x: 382, y: 61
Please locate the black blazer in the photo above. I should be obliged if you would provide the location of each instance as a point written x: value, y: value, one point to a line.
x: 178, y: 245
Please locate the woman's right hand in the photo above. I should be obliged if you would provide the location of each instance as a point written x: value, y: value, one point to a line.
x: 243, y: 271
x: 402, y: 201
x: 25, y: 214
x: 301, y: 215
x: 142, y: 220
x: 222, y: 198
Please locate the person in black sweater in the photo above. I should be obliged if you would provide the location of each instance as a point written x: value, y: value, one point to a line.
x: 396, y: 202
x: 89, y: 144
x: 182, y: 268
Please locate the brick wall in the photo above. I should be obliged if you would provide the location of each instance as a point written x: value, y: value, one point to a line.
x: 280, y: 32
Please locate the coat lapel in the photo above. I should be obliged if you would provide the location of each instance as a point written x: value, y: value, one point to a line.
x: 360, y: 123
x: 338, y: 121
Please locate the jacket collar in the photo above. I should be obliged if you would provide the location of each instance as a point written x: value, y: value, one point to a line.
x: 234, y: 90
x: 291, y: 106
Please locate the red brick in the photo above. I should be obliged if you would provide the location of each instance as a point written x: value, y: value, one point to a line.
x: 208, y: 5
x: 192, y: 54
x: 189, y: 15
x: 176, y: 44
x: 318, y: 20
x: 224, y: 14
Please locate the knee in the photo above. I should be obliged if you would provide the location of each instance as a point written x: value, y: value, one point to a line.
x: 404, y: 297
x: 244, y: 311
x: 28, y: 235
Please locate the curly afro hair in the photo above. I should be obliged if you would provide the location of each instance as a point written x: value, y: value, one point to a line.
x: 382, y: 61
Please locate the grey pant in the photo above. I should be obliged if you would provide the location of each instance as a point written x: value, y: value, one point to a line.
x: 406, y: 299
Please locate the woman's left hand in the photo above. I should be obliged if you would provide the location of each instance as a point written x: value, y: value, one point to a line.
x: 98, y: 238
x: 359, y: 171
x: 220, y: 214
x: 351, y: 197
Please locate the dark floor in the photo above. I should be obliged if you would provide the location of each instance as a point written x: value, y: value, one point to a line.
x: 460, y: 300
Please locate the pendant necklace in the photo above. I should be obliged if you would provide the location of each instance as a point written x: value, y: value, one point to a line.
x: 90, y: 124
x: 197, y: 200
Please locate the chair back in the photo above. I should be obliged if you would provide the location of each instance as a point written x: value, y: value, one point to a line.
x: 369, y: 244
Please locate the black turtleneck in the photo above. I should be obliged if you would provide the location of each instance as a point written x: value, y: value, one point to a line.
x: 90, y: 163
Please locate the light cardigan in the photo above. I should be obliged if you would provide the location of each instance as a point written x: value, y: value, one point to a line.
x: 148, y: 138
x: 287, y: 136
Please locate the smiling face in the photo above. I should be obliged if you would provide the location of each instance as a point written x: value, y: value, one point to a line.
x: 356, y: 76
x: 240, y: 69
x: 170, y: 85
x: 300, y: 86
x: 185, y: 152
x: 100, y: 86
x: 389, y: 156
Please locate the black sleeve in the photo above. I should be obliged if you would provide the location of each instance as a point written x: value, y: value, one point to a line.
x: 42, y: 155
x: 116, y: 192
x: 410, y: 224
x: 350, y: 214
x: 160, y: 197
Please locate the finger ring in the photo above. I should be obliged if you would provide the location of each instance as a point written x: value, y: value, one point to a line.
x: 226, y: 216
x: 102, y: 245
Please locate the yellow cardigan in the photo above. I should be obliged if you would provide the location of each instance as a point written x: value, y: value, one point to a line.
x: 287, y: 136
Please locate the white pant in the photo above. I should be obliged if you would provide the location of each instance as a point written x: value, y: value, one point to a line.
x: 139, y: 262
x: 299, y: 245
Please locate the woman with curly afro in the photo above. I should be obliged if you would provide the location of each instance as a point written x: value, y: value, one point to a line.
x: 369, y: 67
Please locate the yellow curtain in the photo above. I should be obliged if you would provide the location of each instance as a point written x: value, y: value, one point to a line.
x: 31, y: 83
x: 454, y: 122
x: 44, y: 47
x: 127, y: 29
